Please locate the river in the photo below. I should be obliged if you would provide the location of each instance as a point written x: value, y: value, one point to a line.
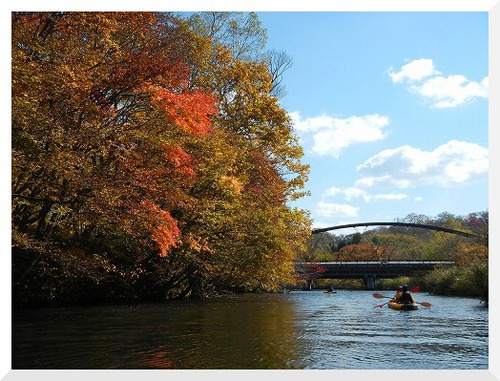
x: 297, y: 330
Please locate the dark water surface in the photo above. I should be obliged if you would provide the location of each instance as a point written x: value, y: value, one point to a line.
x: 298, y: 330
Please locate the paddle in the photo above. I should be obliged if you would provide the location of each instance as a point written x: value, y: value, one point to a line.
x: 424, y: 304
x: 380, y: 296
x: 414, y: 289
x: 381, y: 305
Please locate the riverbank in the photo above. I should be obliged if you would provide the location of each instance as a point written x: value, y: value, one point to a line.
x: 91, y: 297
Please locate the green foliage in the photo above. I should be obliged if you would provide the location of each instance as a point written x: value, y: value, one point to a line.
x: 468, y: 281
x: 392, y: 284
x: 349, y: 284
x: 319, y: 247
x: 399, y: 246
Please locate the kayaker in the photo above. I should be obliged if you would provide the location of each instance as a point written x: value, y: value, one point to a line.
x: 399, y: 292
x: 406, y: 296
x: 330, y: 288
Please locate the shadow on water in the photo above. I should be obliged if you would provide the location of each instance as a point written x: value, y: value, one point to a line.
x: 237, y: 333
x: 299, y: 330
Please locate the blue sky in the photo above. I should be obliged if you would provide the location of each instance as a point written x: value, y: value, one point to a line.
x: 391, y: 109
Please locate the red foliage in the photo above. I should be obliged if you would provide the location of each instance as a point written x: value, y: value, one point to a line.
x: 310, y: 271
x: 189, y: 110
x: 181, y: 161
x: 162, y: 226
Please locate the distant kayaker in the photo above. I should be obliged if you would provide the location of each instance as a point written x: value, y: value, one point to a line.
x: 406, y: 296
x: 330, y: 288
x: 399, y: 292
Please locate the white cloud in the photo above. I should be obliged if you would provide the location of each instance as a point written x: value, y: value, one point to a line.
x: 442, y: 91
x: 328, y: 209
x: 415, y: 70
x: 331, y: 135
x: 311, y: 124
x: 333, y: 191
x: 389, y: 196
x: 354, y: 192
x: 452, y: 163
x: 453, y: 90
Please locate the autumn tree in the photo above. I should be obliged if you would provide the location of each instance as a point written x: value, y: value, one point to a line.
x: 441, y: 245
x: 399, y: 246
x: 320, y: 247
x: 469, y: 276
x: 101, y: 113
x: 250, y: 195
x: 361, y: 252
x: 245, y: 38
x: 148, y: 159
x: 241, y: 33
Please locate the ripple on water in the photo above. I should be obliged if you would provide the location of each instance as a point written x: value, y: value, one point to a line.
x: 301, y: 330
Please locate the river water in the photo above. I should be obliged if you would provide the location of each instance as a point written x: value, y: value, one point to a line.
x: 298, y: 330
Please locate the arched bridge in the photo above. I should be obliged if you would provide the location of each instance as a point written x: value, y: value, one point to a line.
x: 406, y: 224
x: 369, y: 271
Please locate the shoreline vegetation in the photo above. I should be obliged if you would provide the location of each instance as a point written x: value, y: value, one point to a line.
x: 151, y: 161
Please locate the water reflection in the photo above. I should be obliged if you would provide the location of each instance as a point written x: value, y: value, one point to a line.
x: 302, y: 330
x: 241, y: 333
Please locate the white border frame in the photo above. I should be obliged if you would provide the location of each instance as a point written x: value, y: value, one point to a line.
x: 490, y: 6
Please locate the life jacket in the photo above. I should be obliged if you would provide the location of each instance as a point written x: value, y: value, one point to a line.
x: 406, y: 297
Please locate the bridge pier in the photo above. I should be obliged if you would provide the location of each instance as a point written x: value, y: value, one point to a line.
x: 310, y: 283
x: 369, y: 282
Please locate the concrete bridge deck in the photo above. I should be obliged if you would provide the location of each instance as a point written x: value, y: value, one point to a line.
x: 369, y: 271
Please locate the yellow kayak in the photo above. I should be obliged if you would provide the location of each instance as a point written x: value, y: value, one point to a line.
x: 403, y: 306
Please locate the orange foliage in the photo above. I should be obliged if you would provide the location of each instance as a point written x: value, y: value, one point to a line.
x: 102, y: 112
x: 180, y: 159
x: 189, y: 111
x: 469, y: 253
x: 162, y: 226
x: 361, y: 252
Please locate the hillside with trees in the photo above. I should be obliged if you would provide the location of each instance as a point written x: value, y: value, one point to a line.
x: 469, y: 276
